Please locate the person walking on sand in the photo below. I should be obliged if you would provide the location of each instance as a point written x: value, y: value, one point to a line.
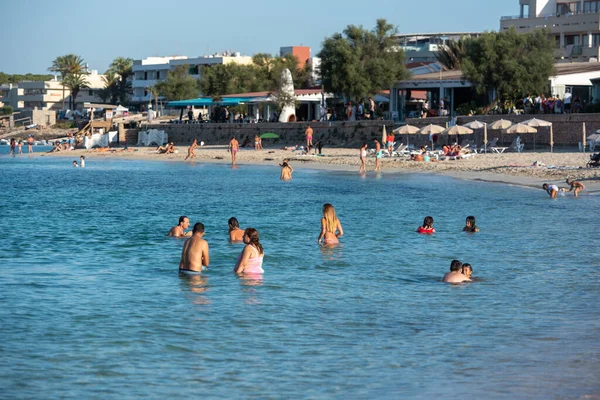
x: 250, y: 260
x: 286, y: 171
x: 331, y: 228
x: 378, y: 155
x: 179, y: 229
x: 191, y: 151
x: 195, y: 254
x: 309, y: 136
x: 552, y: 190
x: 363, y: 158
x: 574, y: 185
x: 233, y: 148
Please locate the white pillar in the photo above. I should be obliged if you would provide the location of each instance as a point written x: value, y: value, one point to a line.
x: 589, y: 39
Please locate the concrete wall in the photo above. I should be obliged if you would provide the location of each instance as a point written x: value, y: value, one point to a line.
x: 351, y: 133
x: 40, y: 117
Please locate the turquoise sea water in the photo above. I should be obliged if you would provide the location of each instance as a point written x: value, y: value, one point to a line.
x: 93, y: 307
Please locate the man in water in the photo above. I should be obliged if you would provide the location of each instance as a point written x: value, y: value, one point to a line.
x: 574, y: 185
x: 233, y: 148
x: 455, y: 275
x: 195, y: 256
x: 552, y: 190
x: 179, y: 230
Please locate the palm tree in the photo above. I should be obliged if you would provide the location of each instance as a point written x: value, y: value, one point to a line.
x: 111, y: 86
x: 68, y: 66
x: 75, y: 82
x: 450, y: 55
x: 59, y: 65
x: 123, y: 67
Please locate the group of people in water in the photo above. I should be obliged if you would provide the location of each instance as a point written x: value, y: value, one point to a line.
x: 574, y: 186
x: 195, y: 255
x: 81, y: 162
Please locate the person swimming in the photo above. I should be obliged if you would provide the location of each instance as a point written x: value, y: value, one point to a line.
x: 427, y: 227
x: 236, y: 234
x: 470, y: 225
x: 331, y: 228
x: 251, y: 258
x: 552, y: 190
x: 467, y: 270
x: 455, y: 275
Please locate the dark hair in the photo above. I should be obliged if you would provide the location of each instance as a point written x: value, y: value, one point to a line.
x: 182, y: 218
x: 466, y: 266
x: 198, y: 227
x: 428, y: 221
x: 455, y: 265
x: 233, y: 223
x: 254, y: 239
x: 471, y: 220
x: 285, y: 164
x: 545, y: 186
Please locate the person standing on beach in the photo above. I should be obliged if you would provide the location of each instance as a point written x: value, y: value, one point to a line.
x: 331, y: 228
x: 574, y: 185
x: 552, y: 190
x: 363, y: 158
x: 309, y: 136
x: 191, y: 153
x: 195, y: 254
x: 30, y: 142
x: 233, y: 148
x: 179, y: 229
x: 377, y: 155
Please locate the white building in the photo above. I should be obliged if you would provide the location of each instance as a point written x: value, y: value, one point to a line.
x: 573, y: 23
x: 149, y: 71
x: 420, y: 47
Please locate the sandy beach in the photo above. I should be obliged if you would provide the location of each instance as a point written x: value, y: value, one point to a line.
x: 510, y: 168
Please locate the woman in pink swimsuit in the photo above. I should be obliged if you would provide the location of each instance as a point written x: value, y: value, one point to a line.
x: 251, y: 258
x: 331, y: 228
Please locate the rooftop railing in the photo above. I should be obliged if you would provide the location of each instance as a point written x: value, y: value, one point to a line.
x: 508, y: 17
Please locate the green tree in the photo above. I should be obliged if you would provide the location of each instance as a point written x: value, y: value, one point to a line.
x: 59, y: 65
x: 123, y: 68
x: 16, y: 78
x: 359, y: 62
x: 72, y: 70
x: 111, y: 87
x: 178, y: 85
x: 75, y: 83
x: 451, y: 54
x: 511, y: 63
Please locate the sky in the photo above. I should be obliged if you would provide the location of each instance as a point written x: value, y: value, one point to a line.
x: 38, y: 31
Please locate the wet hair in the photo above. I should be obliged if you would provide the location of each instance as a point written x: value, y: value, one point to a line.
x: 233, y: 223
x: 428, y: 221
x: 253, y: 239
x: 569, y: 181
x: 466, y: 266
x: 330, y: 217
x: 182, y: 218
x: 285, y: 164
x: 82, y: 157
x: 545, y: 186
x: 198, y: 227
x: 455, y: 265
x: 471, y: 220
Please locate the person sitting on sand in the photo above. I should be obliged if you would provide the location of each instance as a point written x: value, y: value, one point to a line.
x: 552, y: 190
x: 470, y: 225
x: 319, y: 147
x: 331, y: 228
x: 195, y: 254
x: 290, y: 148
x: 191, y: 153
x: 235, y: 233
x: 455, y: 275
x: 427, y: 227
x: 57, y: 147
x: 179, y: 229
x: 251, y: 258
x: 574, y: 185
x: 286, y: 171
x: 246, y: 142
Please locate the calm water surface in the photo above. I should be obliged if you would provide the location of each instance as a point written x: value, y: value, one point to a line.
x: 93, y: 307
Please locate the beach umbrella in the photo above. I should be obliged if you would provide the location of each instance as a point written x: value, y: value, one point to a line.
x: 458, y: 130
x: 269, y: 135
x: 406, y: 130
x: 479, y: 125
x: 499, y: 125
x: 383, y: 136
x: 522, y: 128
x: 536, y: 123
x: 431, y: 130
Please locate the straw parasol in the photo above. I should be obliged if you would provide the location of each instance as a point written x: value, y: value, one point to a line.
x: 406, y: 130
x: 499, y: 125
x: 383, y: 136
x: 583, y: 143
x: 458, y: 130
x: 479, y: 125
x: 431, y: 130
x: 536, y: 123
x: 522, y: 128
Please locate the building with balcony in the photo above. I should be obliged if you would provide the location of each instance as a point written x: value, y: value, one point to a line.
x: 149, y: 71
x: 48, y: 95
x: 421, y: 47
x: 573, y: 23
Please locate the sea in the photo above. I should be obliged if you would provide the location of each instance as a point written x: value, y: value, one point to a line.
x: 92, y: 305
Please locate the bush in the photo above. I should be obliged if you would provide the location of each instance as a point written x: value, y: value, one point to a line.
x: 65, y: 125
x: 6, y: 110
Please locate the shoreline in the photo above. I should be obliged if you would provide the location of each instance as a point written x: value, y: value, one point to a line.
x: 506, y: 168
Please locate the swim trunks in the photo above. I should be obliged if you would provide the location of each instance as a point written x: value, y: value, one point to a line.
x: 379, y: 154
x: 390, y: 144
x: 189, y: 272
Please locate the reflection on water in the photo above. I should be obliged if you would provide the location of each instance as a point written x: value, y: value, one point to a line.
x: 197, y: 284
x: 331, y: 251
x: 249, y: 284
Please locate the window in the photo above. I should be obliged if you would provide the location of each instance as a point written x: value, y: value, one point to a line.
x: 568, y: 8
x: 572, y: 39
x: 591, y: 6
x: 90, y: 92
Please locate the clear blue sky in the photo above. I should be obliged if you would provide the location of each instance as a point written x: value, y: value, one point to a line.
x: 37, y: 31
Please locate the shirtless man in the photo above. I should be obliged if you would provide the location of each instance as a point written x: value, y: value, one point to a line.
x: 286, y: 171
x: 191, y: 153
x: 455, y: 275
x: 179, y: 230
x: 378, y: 155
x: 309, y: 136
x: 233, y: 148
x: 195, y: 257
x: 552, y: 190
x: 575, y: 185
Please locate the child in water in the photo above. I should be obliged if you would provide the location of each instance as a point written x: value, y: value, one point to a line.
x: 427, y: 226
x: 467, y: 270
x: 470, y: 225
x: 75, y: 163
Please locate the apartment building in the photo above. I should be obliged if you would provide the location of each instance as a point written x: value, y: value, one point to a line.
x: 421, y: 47
x: 149, y: 71
x: 574, y: 24
x: 48, y: 95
